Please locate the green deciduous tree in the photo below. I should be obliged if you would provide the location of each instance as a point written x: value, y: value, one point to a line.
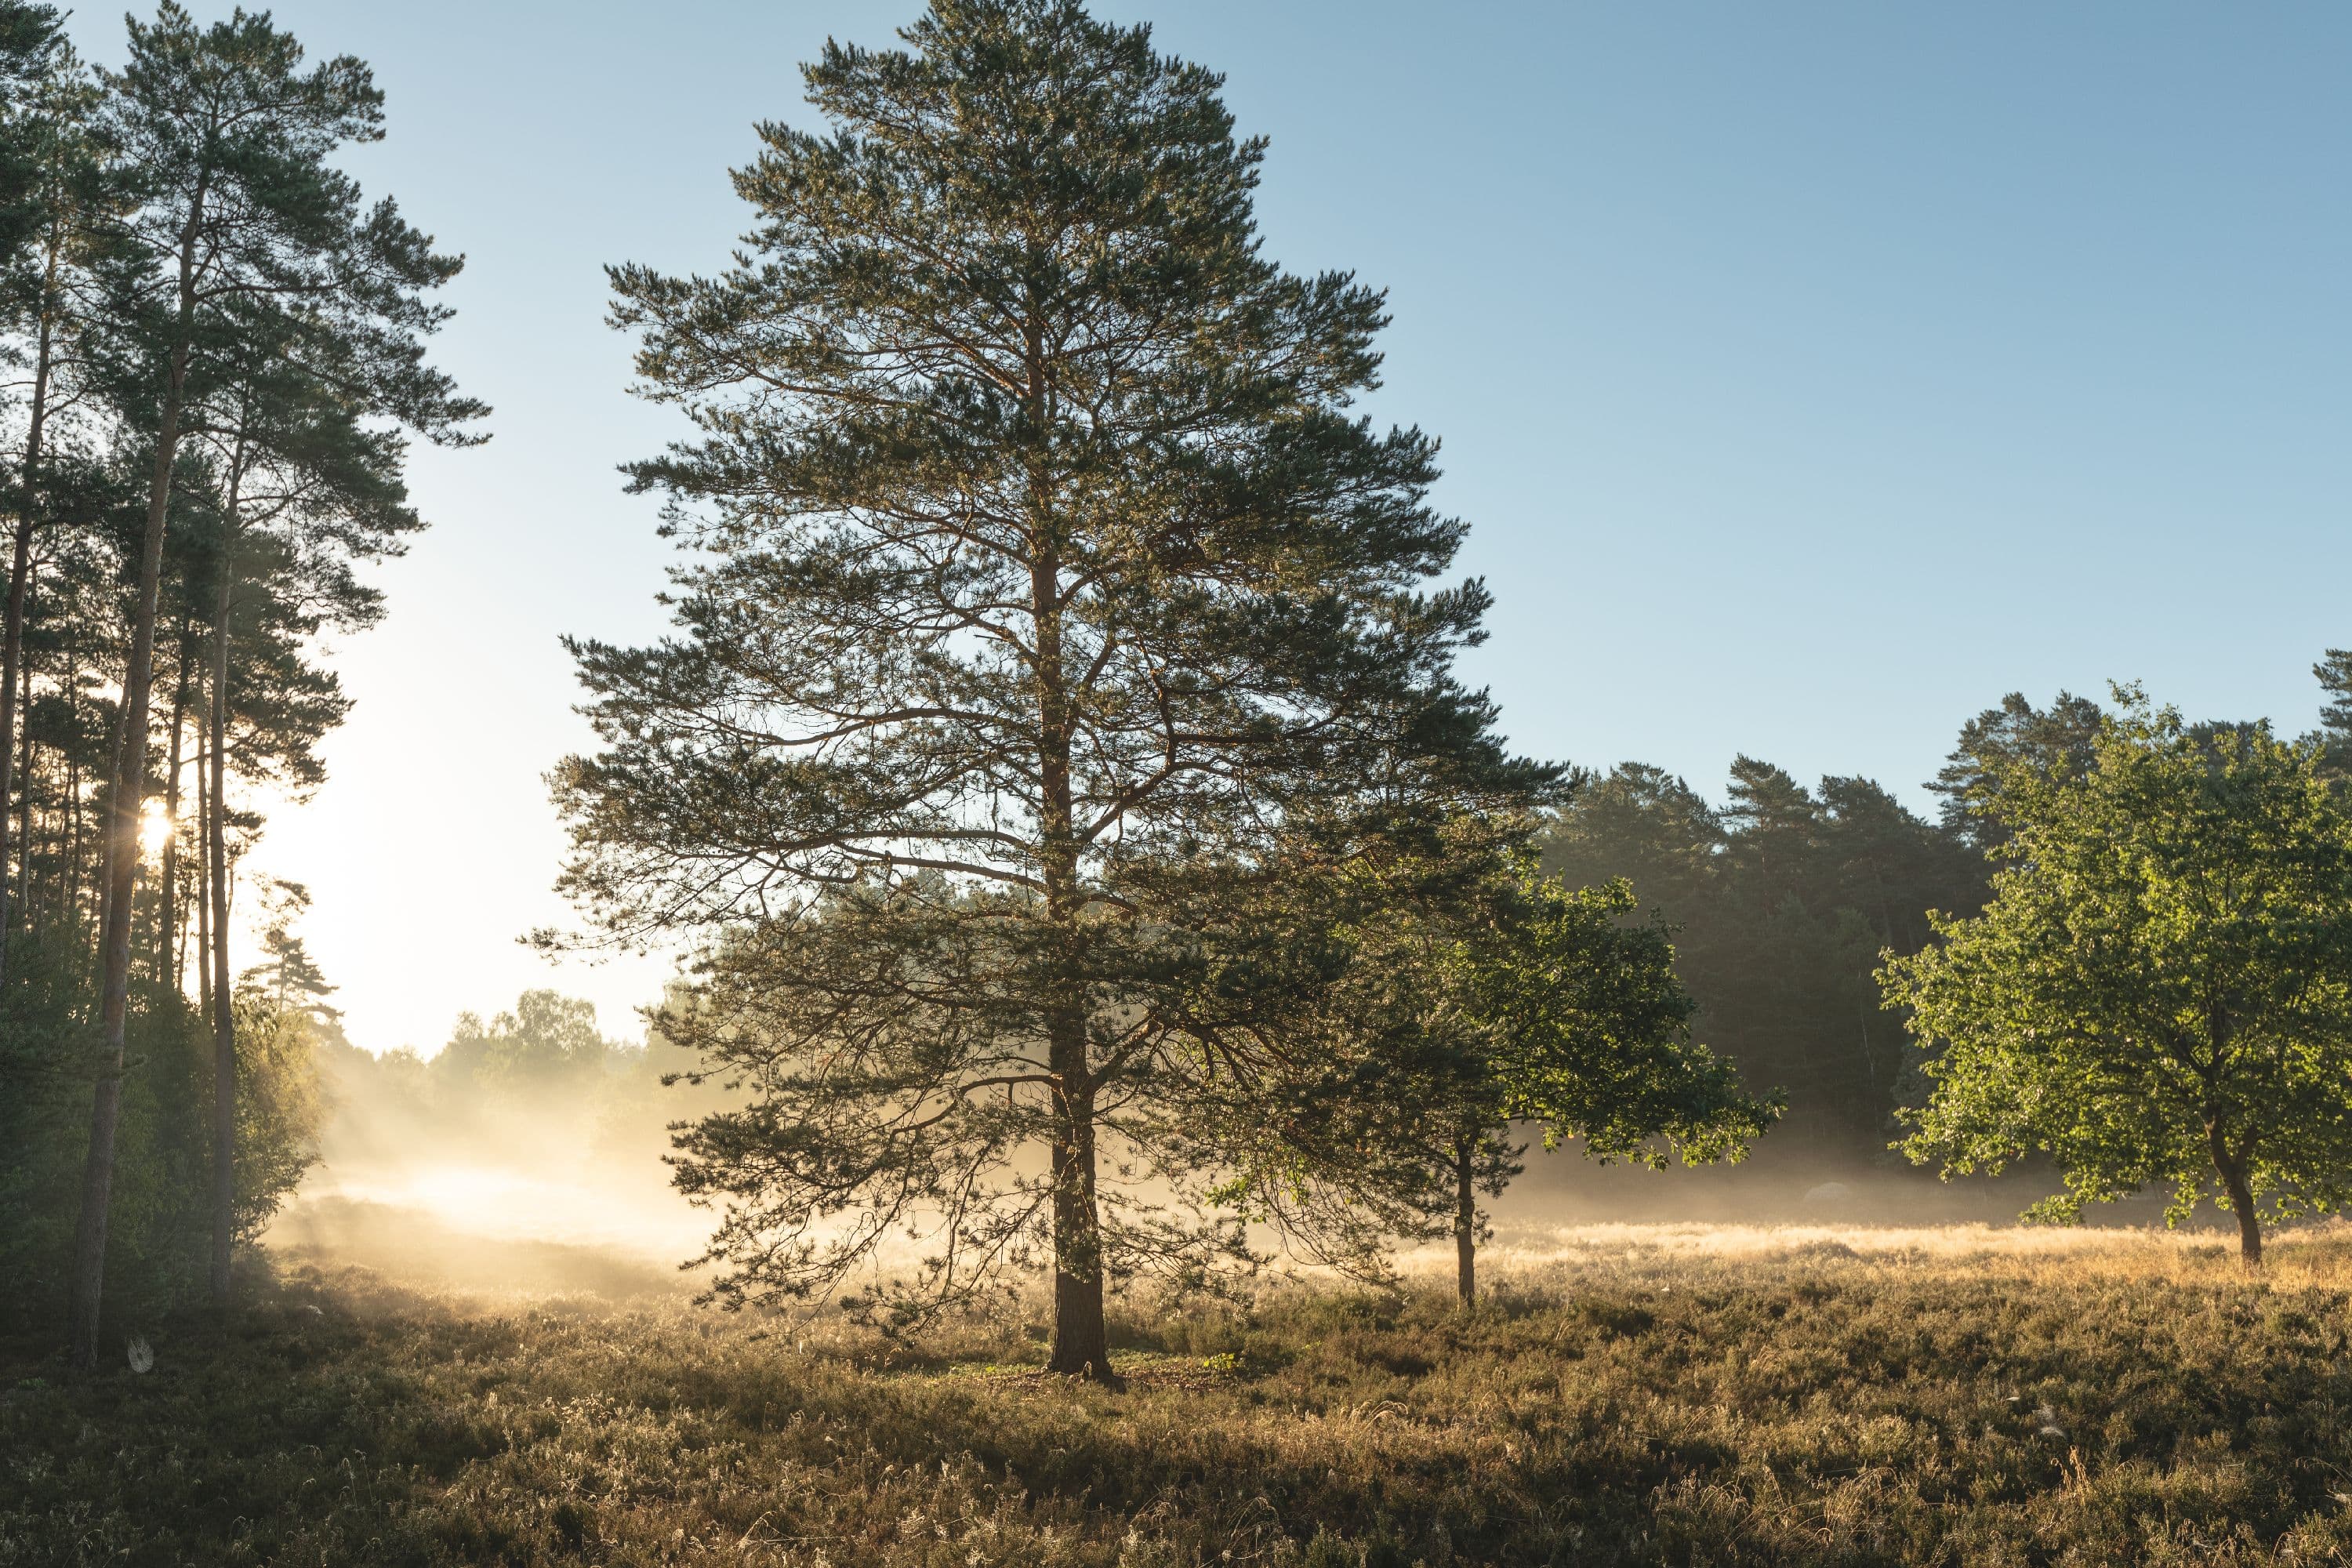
x: 2160, y: 990
x: 1052, y: 611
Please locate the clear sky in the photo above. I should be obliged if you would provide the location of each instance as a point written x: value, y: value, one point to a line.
x: 1811, y: 376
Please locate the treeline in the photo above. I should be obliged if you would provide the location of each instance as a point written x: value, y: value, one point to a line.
x: 1782, y: 899
x: 537, y: 1087
x: 214, y: 359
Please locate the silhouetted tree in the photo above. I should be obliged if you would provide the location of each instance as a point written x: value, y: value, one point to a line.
x: 244, y: 232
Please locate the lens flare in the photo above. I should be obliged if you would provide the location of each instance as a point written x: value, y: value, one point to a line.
x: 156, y: 826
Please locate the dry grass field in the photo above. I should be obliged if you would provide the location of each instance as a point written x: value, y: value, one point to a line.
x: 1651, y: 1394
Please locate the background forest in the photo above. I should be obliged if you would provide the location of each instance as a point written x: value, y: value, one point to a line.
x: 215, y: 352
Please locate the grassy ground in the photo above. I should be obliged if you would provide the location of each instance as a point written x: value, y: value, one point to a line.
x: 1922, y: 1403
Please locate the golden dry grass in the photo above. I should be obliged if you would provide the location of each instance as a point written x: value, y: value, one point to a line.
x: 1666, y: 1394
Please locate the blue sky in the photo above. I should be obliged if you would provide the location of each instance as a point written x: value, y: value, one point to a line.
x: 1810, y: 375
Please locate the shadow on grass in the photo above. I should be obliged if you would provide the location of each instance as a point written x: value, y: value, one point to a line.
x: 1814, y: 1408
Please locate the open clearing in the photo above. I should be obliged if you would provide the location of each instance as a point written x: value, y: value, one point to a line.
x: 1668, y: 1395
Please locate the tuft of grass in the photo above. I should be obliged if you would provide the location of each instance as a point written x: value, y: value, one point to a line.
x: 1851, y: 1407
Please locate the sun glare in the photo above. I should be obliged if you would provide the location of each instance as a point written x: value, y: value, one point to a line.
x: 155, y: 828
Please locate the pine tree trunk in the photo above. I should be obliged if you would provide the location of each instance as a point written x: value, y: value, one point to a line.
x: 69, y: 870
x: 216, y: 874
x: 167, y: 922
x: 104, y: 835
x: 120, y: 858
x: 1081, y: 1345
x: 20, y: 576
x: 1466, y: 1224
x: 25, y: 807
x: 203, y: 883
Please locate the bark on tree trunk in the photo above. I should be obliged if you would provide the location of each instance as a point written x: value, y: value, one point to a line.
x: 69, y: 873
x: 2242, y: 1204
x: 216, y: 876
x: 2234, y: 1169
x: 2250, y: 1229
x: 1081, y: 1340
x: 1465, y: 1225
x: 121, y: 849
x: 20, y: 575
x: 167, y: 920
x: 204, y: 885
x: 25, y: 806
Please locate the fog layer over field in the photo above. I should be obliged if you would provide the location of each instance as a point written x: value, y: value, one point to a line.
x: 528, y: 1158
x: 525, y: 1155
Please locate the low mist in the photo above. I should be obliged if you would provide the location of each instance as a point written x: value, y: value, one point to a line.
x: 524, y: 1156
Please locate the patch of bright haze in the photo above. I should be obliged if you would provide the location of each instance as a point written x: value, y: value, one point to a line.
x: 155, y: 829
x: 493, y: 1202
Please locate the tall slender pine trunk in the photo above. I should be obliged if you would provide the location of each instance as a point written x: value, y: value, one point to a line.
x: 204, y: 878
x: 20, y: 576
x: 24, y: 804
x: 217, y: 891
x: 69, y: 865
x: 168, y: 916
x: 121, y: 858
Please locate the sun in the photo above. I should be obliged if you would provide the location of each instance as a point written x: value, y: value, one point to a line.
x: 155, y: 826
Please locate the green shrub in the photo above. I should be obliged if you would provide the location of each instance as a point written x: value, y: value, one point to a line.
x: 158, y: 1234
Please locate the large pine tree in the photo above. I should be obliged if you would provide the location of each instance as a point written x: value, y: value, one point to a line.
x: 1049, y: 619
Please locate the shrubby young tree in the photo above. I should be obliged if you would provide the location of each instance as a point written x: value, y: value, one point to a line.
x: 2160, y: 990
x: 1518, y: 1000
x: 1052, y: 615
x: 288, y: 979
